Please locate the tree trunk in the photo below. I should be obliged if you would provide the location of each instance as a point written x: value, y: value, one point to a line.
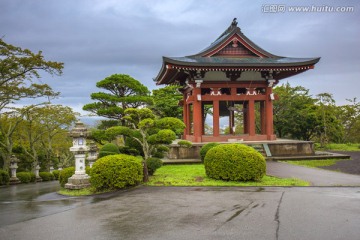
x: 145, y: 172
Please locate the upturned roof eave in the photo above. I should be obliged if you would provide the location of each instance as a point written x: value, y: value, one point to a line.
x: 168, y: 60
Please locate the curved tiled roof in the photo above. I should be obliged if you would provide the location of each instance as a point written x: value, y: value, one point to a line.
x: 232, y: 50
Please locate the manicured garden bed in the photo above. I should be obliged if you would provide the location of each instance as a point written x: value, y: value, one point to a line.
x: 194, y: 175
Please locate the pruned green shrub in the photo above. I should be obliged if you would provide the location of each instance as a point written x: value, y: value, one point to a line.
x: 204, y: 149
x: 184, y: 143
x: 108, y: 149
x: 174, y: 124
x: 4, y: 177
x: 234, y: 162
x: 56, y: 174
x: 153, y: 164
x: 24, y: 177
x: 46, y: 176
x: 129, y: 151
x: 116, y: 171
x: 65, y: 174
x: 159, y: 151
x: 32, y: 177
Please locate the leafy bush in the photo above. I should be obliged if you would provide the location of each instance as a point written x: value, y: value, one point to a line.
x: 204, y: 149
x: 234, y: 162
x: 56, y: 174
x: 4, y: 177
x: 165, y: 136
x: 108, y: 149
x: 129, y: 151
x: 184, y: 143
x: 132, y: 143
x: 159, y: 151
x: 46, y: 176
x: 116, y: 171
x: 32, y: 177
x: 65, y: 174
x: 24, y: 177
x: 174, y: 124
x: 153, y: 164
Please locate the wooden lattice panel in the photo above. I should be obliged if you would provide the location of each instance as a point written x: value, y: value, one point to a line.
x: 236, y: 50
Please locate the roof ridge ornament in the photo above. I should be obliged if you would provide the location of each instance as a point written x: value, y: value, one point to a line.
x: 234, y: 22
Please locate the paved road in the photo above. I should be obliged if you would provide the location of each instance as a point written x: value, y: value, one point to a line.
x: 317, y: 177
x: 195, y: 213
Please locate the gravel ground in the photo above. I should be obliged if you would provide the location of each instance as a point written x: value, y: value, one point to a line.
x: 350, y: 166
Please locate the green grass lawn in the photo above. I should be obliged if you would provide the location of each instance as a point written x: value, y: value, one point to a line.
x: 314, y: 163
x: 343, y: 147
x: 194, y: 175
x: 80, y: 192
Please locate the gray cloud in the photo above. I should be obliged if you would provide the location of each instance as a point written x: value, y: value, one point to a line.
x: 101, y: 37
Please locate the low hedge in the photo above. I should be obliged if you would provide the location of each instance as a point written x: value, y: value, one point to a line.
x: 4, y: 177
x: 24, y: 177
x: 56, y: 174
x: 46, y: 176
x: 65, y: 174
x: 116, y: 171
x: 153, y: 164
x: 32, y: 177
x: 204, y: 149
x: 234, y: 162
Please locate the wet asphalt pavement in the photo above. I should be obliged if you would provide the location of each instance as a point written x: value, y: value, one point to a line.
x: 182, y: 213
x: 316, y: 176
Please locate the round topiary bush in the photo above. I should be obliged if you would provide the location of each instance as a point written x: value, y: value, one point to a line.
x: 116, y: 171
x: 185, y: 144
x: 108, y: 149
x: 32, y: 177
x: 56, y: 174
x: 46, y: 176
x: 153, y: 163
x: 24, y: 177
x: 234, y: 162
x: 204, y: 149
x: 65, y: 174
x: 4, y: 177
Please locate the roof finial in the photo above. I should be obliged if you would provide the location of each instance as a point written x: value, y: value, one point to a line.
x: 234, y: 23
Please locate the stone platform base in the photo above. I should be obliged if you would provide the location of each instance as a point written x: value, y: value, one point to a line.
x: 272, y: 150
x: 14, y: 180
x: 78, y: 181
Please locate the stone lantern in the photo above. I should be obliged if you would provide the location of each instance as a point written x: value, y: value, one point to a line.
x: 51, y: 169
x: 80, y: 179
x: 37, y: 170
x: 93, y: 154
x: 13, y: 168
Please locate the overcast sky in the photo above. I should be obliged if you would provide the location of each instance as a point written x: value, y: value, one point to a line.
x: 97, y: 38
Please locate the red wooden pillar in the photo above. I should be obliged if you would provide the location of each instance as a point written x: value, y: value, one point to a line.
x: 269, y: 115
x: 251, y: 118
x: 245, y: 117
x: 185, y: 116
x: 216, y: 117
x: 231, y: 119
x: 263, y: 118
x: 197, y: 115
